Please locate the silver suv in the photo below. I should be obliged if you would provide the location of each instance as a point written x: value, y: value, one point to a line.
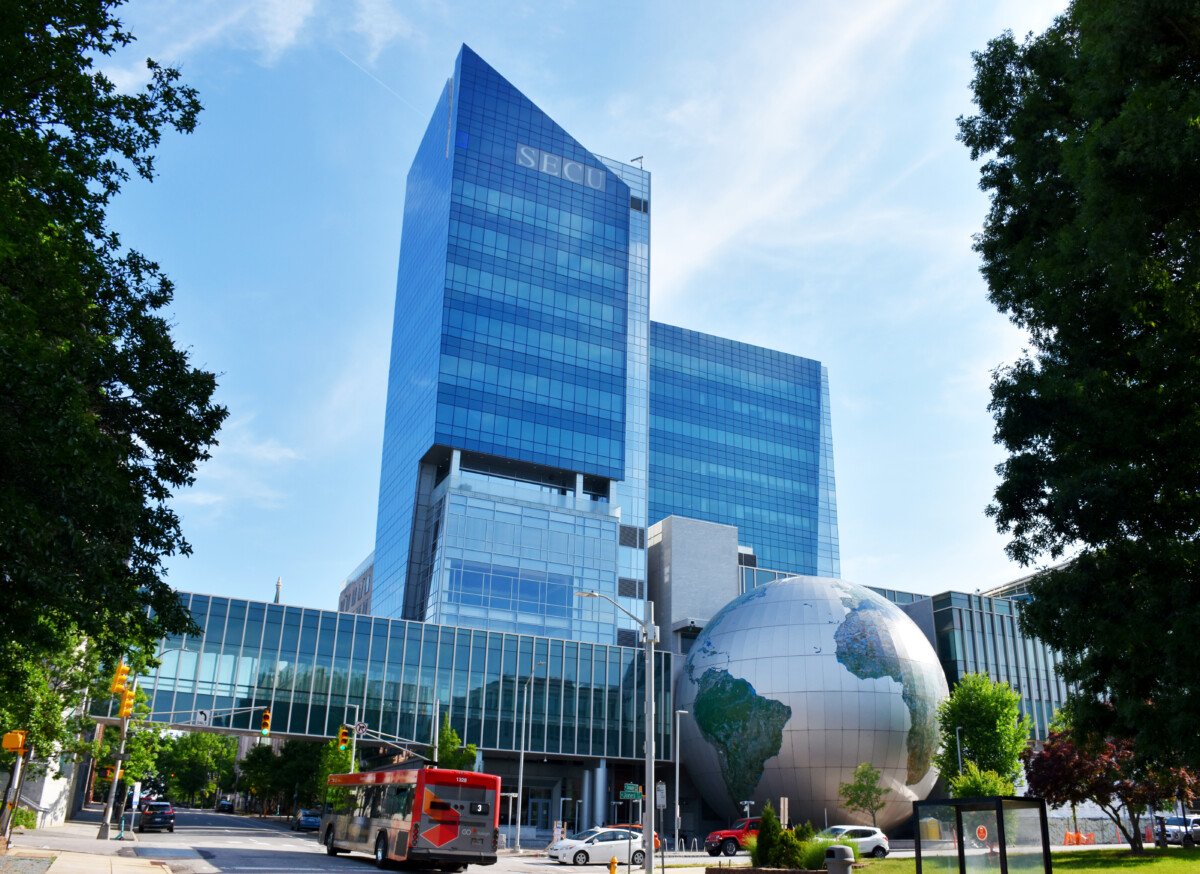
x: 1184, y: 830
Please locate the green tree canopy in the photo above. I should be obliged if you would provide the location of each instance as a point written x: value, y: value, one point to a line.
x: 863, y: 793
x: 102, y: 417
x: 451, y: 752
x: 993, y: 732
x: 197, y: 764
x: 1090, y: 143
x: 974, y: 783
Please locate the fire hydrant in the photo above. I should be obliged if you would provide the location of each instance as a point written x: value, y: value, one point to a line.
x: 612, y: 865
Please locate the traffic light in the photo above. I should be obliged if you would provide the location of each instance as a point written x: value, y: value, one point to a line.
x: 343, y: 738
x: 14, y: 742
x: 120, y: 681
x: 128, y: 697
x: 266, y: 722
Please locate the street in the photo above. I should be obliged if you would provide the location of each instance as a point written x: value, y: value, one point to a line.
x: 205, y: 842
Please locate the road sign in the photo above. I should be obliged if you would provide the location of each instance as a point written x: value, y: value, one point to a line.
x: 631, y: 792
x: 360, y: 728
x: 632, y: 787
x: 660, y: 795
x: 981, y: 832
x: 202, y: 717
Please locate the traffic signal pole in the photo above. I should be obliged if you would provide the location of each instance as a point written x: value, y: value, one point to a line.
x: 102, y: 835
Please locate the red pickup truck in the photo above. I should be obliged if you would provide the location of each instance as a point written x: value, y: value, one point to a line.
x: 730, y: 840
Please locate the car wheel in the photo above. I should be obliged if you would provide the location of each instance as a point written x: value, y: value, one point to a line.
x: 171, y: 829
x: 580, y: 858
x: 329, y: 847
x: 879, y: 852
x: 638, y: 858
x: 381, y: 859
x: 1189, y: 841
x: 729, y: 847
x: 141, y: 829
x: 714, y: 851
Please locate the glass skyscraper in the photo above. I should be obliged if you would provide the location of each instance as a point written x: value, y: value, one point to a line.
x: 515, y: 446
x: 741, y: 435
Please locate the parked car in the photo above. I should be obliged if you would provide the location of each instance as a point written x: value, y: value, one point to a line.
x: 637, y: 827
x: 1183, y: 830
x: 870, y: 841
x: 730, y: 840
x: 225, y: 805
x: 597, y: 846
x: 306, y: 819
x: 158, y: 815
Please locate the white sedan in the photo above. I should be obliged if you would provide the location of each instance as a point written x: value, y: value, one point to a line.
x: 597, y: 846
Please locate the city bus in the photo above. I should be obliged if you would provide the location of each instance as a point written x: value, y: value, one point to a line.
x: 431, y: 818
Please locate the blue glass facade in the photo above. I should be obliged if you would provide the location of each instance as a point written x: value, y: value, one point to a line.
x: 311, y: 667
x: 741, y: 435
x: 510, y: 362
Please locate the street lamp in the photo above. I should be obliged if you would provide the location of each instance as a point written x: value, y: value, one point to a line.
x: 746, y: 807
x: 678, y: 713
x: 521, y: 763
x: 958, y: 742
x: 650, y: 637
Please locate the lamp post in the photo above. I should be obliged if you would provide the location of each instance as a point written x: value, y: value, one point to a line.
x: 521, y: 762
x: 958, y: 743
x: 650, y: 637
x: 678, y: 713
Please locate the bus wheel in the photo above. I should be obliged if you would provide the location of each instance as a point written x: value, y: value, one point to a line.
x: 381, y: 859
x: 329, y: 847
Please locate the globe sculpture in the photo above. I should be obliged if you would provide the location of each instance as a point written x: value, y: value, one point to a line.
x: 793, y: 684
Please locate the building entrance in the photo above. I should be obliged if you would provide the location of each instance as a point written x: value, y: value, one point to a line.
x: 538, y: 813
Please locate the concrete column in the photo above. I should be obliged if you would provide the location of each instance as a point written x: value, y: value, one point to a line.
x: 585, y: 816
x: 455, y: 463
x: 600, y: 794
x: 580, y: 498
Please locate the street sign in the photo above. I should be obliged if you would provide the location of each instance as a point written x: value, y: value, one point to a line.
x: 202, y: 717
x: 632, y: 787
x: 660, y: 795
x: 626, y: 795
x: 360, y: 728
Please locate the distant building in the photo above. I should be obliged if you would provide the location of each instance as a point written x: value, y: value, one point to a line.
x: 355, y: 594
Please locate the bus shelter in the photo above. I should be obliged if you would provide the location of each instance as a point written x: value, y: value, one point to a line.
x: 999, y: 833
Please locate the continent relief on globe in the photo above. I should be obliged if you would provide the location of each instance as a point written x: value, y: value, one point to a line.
x: 744, y: 728
x: 865, y: 648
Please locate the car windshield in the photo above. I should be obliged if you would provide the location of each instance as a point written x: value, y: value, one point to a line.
x: 741, y: 824
x: 158, y: 806
x: 1174, y: 820
x: 834, y: 830
x: 310, y: 813
x: 584, y: 835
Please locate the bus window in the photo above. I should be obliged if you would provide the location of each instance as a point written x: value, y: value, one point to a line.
x: 399, y: 801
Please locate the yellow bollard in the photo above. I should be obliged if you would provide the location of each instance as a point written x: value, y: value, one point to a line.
x: 612, y: 865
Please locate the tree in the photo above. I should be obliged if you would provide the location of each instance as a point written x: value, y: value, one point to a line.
x: 102, y: 417
x: 1107, y: 773
x: 1092, y: 161
x: 198, y: 764
x: 764, y: 852
x: 451, y: 752
x: 298, y: 771
x: 974, y: 783
x: 260, y: 767
x: 863, y: 793
x: 993, y: 731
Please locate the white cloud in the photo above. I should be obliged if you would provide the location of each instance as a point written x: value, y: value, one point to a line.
x: 380, y: 23
x: 244, y: 470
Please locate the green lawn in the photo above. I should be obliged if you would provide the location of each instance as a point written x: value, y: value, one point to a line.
x: 1172, y: 861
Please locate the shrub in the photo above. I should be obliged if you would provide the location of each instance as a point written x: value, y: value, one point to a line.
x: 805, y: 831
x: 790, y: 852
x: 812, y: 853
x: 764, y: 851
x: 23, y: 818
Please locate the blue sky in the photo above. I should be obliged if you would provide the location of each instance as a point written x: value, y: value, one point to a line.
x: 808, y: 195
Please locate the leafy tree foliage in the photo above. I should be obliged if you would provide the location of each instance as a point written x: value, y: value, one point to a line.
x: 101, y: 415
x: 863, y: 793
x: 451, y: 752
x: 1107, y: 773
x: 993, y: 730
x: 1091, y: 156
x: 974, y: 783
x: 197, y: 764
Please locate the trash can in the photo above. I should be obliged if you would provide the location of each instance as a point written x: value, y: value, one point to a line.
x: 838, y: 859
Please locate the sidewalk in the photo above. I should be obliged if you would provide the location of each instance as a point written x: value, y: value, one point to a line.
x: 86, y: 863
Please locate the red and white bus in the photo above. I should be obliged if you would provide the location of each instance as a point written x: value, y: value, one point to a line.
x: 426, y: 817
